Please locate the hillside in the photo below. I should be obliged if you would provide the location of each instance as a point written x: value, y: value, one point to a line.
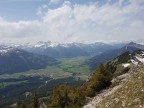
x: 126, y: 91
x: 127, y: 84
x: 14, y: 60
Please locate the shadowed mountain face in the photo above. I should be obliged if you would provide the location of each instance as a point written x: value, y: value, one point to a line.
x: 109, y: 55
x: 15, y: 60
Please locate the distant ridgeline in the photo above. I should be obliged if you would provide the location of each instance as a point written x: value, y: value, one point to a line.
x: 65, y: 50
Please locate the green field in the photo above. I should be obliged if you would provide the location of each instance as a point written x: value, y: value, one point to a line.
x: 75, y: 65
x: 67, y: 67
x: 4, y: 84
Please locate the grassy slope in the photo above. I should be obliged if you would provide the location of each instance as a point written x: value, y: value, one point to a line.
x: 127, y: 92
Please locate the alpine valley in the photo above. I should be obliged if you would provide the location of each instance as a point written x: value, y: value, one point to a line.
x: 72, y: 75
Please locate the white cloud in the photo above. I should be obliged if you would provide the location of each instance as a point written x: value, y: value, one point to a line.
x: 41, y: 10
x: 89, y: 22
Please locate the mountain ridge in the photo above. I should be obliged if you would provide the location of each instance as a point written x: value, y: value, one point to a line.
x: 109, y: 55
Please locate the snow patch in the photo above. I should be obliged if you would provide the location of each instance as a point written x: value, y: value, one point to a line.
x: 126, y: 65
x: 142, y: 53
x: 5, y: 50
x: 38, y: 45
x: 53, y: 45
x: 134, y: 62
x: 140, y: 59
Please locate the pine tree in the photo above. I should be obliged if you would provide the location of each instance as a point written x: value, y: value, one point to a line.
x: 60, y: 97
x: 99, y: 80
x: 35, y: 100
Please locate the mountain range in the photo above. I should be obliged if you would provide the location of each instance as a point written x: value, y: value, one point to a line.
x: 19, y: 58
x: 23, y: 57
x: 66, y: 50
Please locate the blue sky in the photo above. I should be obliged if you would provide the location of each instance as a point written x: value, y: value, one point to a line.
x: 71, y: 20
x: 15, y: 10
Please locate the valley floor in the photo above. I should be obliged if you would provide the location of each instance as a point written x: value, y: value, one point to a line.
x: 72, y: 71
x: 66, y: 68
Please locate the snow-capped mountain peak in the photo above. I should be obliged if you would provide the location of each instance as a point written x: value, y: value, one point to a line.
x: 47, y: 44
x: 5, y: 50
